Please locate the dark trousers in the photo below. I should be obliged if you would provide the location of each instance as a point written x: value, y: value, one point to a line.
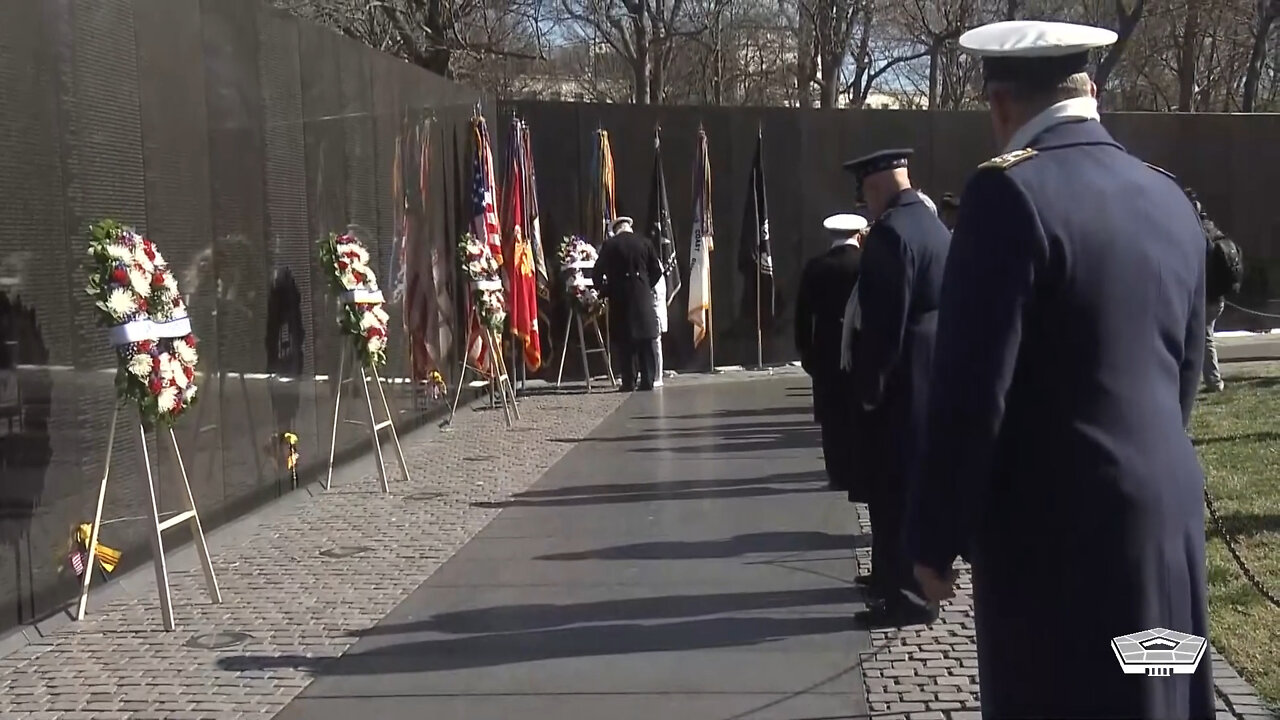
x: 636, y: 357
x: 890, y: 566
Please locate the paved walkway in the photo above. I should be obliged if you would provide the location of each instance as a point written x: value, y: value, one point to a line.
x: 681, y: 559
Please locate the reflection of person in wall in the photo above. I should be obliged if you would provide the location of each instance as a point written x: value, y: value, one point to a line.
x: 25, y: 450
x: 285, y: 334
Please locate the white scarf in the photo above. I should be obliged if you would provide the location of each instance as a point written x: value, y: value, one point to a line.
x: 1081, y: 108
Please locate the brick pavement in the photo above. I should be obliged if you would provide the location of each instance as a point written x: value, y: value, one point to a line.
x: 276, y: 586
x: 920, y: 673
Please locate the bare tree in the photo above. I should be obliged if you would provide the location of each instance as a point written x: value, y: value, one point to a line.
x: 1267, y: 13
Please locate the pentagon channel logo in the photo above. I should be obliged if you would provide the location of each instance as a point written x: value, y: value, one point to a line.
x: 1158, y: 652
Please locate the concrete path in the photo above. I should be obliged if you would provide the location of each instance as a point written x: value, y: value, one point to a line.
x: 683, y: 561
x: 680, y: 560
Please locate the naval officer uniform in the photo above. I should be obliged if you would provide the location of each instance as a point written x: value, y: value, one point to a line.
x: 898, y: 292
x: 825, y: 285
x: 1068, y: 356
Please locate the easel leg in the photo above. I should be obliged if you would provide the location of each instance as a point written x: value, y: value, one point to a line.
x: 337, y: 405
x: 501, y: 378
x: 608, y: 357
x: 564, y: 348
x: 395, y: 435
x: 157, y: 543
x: 373, y: 430
x: 197, y: 530
x: 582, y: 348
x: 90, y: 562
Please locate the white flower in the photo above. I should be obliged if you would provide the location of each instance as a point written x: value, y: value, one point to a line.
x: 348, y: 280
x: 376, y: 343
x: 185, y: 352
x: 368, y: 320
x: 381, y: 314
x: 119, y: 252
x: 166, y: 366
x: 190, y: 394
x: 140, y: 366
x: 159, y: 261
x: 167, y: 399
x: 121, y: 303
x: 140, y: 281
x: 180, y: 375
x: 352, y: 249
x: 170, y: 283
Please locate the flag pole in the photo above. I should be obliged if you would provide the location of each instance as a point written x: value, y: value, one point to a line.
x: 711, y: 327
x: 759, y: 259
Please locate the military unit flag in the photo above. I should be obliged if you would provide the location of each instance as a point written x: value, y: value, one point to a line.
x: 755, y: 253
x: 659, y: 225
x: 522, y: 283
x: 701, y: 244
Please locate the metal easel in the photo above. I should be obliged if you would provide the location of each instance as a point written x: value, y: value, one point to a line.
x: 498, y: 382
x: 375, y: 426
x: 189, y: 516
x: 576, y: 321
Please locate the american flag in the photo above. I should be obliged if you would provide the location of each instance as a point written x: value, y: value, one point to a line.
x: 484, y: 210
x: 485, y: 225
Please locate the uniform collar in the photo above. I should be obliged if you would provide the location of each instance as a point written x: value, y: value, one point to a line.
x: 1074, y: 109
x: 903, y: 198
x: 851, y: 242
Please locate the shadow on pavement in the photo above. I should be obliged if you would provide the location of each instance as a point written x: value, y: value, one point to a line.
x: 498, y: 649
x: 764, y: 542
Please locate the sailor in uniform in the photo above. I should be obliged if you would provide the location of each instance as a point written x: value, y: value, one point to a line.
x: 825, y: 285
x: 898, y: 291
x: 1068, y: 356
x: 625, y: 273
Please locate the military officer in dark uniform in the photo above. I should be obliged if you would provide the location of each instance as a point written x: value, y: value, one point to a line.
x: 898, y: 291
x: 825, y: 285
x: 625, y: 274
x: 948, y: 208
x: 1067, y: 362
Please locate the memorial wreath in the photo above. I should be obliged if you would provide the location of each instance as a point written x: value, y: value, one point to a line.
x: 360, y: 313
x: 481, y: 269
x: 137, y: 299
x: 577, y: 259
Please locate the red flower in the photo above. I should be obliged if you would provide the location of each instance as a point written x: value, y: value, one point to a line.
x: 155, y: 386
x: 158, y: 279
x: 188, y: 372
x: 155, y: 364
x: 342, y: 264
x: 190, y: 340
x: 359, y: 277
x: 142, y: 304
x: 120, y: 276
x: 149, y: 249
x: 145, y: 346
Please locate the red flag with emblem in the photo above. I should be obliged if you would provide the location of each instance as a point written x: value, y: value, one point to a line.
x: 522, y: 283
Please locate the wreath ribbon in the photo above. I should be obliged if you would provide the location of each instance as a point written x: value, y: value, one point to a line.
x: 139, y: 330
x: 363, y: 296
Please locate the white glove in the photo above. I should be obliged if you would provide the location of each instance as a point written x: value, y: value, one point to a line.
x: 852, y: 318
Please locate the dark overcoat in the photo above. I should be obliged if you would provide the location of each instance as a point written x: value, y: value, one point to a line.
x: 825, y: 285
x: 1068, y: 358
x: 625, y: 274
x: 899, y: 289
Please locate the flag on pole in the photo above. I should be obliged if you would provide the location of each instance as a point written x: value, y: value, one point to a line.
x: 660, y: 231
x: 522, y: 286
x: 701, y: 243
x: 603, y: 203
x: 755, y: 253
x: 532, y: 222
x: 485, y: 227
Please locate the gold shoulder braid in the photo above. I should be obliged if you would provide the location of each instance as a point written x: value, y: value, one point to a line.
x: 1162, y: 171
x: 1008, y: 160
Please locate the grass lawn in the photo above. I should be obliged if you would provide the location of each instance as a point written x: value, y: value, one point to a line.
x: 1238, y: 435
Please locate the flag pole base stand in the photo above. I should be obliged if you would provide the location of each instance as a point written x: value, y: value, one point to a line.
x: 158, y: 526
x: 351, y: 365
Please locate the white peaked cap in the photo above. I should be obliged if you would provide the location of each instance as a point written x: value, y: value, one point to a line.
x: 845, y: 222
x: 619, y: 221
x: 1034, y: 39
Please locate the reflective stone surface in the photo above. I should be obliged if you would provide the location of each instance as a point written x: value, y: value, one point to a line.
x: 235, y: 137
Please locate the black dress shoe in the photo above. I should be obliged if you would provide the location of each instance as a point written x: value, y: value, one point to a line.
x: 627, y: 388
x: 645, y: 387
x: 898, y: 612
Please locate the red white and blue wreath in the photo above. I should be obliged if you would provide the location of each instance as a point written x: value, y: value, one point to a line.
x: 137, y: 300
x: 577, y: 259
x: 360, y: 314
x: 481, y: 269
